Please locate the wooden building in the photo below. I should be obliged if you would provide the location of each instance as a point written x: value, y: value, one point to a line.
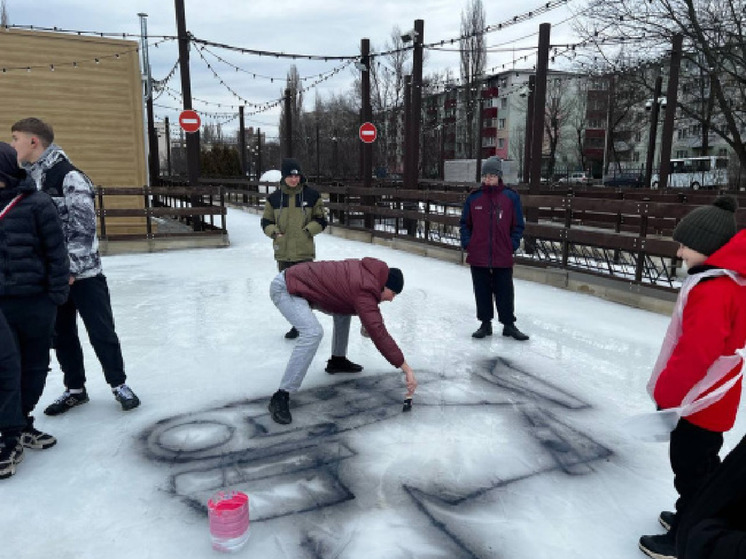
x: 89, y: 89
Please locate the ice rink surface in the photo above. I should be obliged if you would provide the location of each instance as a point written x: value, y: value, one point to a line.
x: 512, y: 449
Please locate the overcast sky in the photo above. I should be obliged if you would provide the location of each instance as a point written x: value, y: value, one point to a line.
x: 310, y: 27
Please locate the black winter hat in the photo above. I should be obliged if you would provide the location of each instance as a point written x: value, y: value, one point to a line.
x: 492, y: 166
x: 291, y: 167
x: 10, y: 173
x: 708, y: 228
x: 395, y: 281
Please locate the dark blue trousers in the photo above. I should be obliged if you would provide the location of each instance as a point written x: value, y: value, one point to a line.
x: 11, y: 417
x: 31, y: 322
x: 90, y: 299
x: 497, y: 284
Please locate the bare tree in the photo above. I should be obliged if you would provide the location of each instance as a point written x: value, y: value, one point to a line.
x: 560, y: 107
x: 4, y: 20
x: 473, y: 60
x: 387, y: 98
x: 294, y: 87
x: 713, y: 58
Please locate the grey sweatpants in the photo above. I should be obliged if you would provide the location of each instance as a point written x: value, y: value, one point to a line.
x: 298, y: 312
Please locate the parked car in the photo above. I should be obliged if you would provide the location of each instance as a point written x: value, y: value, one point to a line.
x: 624, y: 179
x: 577, y: 177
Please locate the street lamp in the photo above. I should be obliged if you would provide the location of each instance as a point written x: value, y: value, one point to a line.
x: 653, y: 105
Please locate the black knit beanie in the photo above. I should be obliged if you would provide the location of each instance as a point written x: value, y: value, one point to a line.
x: 10, y: 172
x: 395, y: 281
x: 708, y: 228
x: 290, y: 167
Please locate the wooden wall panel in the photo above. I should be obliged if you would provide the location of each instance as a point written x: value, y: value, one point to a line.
x: 95, y: 108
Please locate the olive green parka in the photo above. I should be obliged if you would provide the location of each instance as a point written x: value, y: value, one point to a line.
x: 292, y: 218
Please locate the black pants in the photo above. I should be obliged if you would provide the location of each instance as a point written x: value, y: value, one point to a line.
x: 89, y: 298
x: 694, y: 455
x: 713, y: 525
x: 284, y: 264
x: 11, y: 417
x: 31, y: 322
x: 497, y: 283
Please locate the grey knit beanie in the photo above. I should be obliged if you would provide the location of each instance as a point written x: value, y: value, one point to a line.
x: 492, y: 166
x: 708, y: 228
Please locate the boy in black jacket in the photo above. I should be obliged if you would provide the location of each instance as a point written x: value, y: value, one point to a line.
x: 34, y: 273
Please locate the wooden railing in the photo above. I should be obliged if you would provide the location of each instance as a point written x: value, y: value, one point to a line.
x: 195, y: 209
x: 623, y: 234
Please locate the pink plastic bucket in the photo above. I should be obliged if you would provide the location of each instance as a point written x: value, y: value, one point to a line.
x: 228, y: 513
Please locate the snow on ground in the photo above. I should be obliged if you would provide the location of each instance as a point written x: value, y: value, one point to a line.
x: 512, y: 449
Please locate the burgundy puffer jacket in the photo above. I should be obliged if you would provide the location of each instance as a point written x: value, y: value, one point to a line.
x: 348, y: 287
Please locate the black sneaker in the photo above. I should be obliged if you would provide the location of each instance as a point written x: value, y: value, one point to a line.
x: 484, y: 330
x: 661, y: 546
x: 341, y: 365
x: 509, y: 330
x: 667, y: 519
x: 126, y: 397
x: 292, y: 334
x: 11, y: 454
x: 67, y: 401
x: 279, y: 407
x: 31, y: 437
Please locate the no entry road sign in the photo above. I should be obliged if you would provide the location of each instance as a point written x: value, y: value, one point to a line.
x: 189, y: 121
x: 368, y: 132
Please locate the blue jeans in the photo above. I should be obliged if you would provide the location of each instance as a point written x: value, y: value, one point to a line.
x: 298, y: 312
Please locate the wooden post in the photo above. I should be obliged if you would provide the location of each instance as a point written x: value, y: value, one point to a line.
x: 668, y: 121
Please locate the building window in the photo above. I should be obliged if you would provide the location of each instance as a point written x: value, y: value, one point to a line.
x: 501, y: 124
x: 638, y: 136
x: 501, y: 143
x: 636, y: 157
x: 504, y: 103
x: 723, y: 152
x: 681, y: 153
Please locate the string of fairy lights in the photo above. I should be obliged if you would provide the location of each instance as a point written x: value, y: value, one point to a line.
x: 587, y: 55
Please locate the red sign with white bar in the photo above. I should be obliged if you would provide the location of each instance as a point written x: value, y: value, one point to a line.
x: 189, y: 121
x: 368, y: 132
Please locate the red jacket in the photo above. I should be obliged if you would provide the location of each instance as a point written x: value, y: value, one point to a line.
x: 713, y: 324
x: 348, y: 287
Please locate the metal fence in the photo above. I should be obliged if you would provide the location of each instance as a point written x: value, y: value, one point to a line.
x: 623, y: 234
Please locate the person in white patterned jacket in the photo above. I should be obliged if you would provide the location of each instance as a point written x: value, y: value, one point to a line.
x: 73, y: 194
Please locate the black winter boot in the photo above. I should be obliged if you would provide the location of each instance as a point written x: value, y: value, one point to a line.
x: 279, y: 407
x: 660, y: 546
x: 339, y: 364
x: 484, y: 330
x: 292, y: 334
x: 509, y: 330
x: 31, y: 437
x: 667, y: 519
x: 11, y: 454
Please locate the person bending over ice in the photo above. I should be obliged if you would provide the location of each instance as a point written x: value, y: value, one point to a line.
x: 341, y: 288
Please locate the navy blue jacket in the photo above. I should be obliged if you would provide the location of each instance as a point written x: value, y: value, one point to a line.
x: 33, y: 257
x: 492, y: 226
